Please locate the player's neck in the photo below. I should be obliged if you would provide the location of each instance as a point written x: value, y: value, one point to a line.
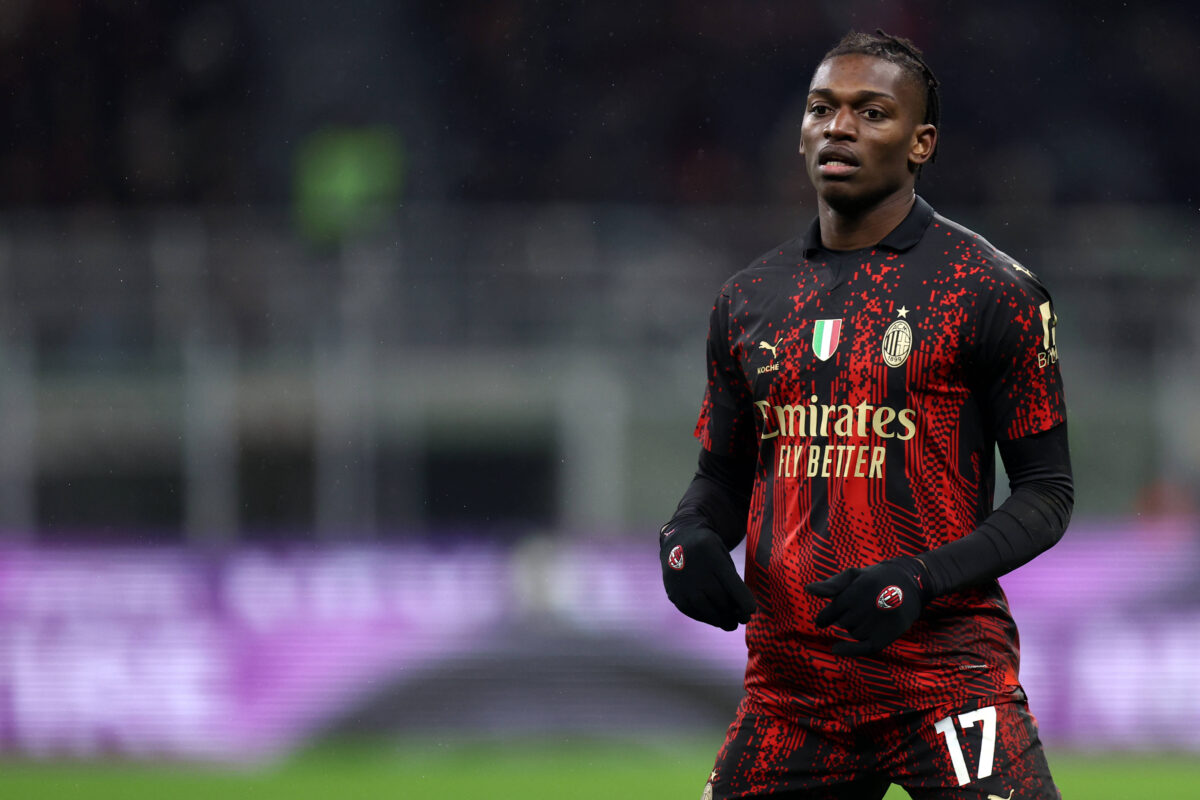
x: 853, y: 231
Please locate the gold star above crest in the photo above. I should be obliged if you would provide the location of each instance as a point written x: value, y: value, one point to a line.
x: 902, y: 311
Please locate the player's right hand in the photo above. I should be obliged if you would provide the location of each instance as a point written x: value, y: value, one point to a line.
x: 700, y: 577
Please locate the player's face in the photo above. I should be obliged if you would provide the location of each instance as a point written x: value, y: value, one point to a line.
x: 862, y: 138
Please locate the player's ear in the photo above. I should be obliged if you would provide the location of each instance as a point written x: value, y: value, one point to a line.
x: 923, y: 143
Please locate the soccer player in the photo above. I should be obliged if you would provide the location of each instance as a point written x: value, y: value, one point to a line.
x: 860, y: 379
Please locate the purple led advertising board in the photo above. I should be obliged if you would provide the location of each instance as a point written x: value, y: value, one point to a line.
x: 243, y: 655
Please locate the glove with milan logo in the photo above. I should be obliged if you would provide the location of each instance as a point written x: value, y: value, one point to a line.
x: 875, y: 605
x: 700, y: 577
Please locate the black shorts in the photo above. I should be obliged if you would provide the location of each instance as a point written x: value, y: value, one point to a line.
x: 983, y: 749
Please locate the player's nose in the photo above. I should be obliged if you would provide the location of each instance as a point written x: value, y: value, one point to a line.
x: 842, y: 125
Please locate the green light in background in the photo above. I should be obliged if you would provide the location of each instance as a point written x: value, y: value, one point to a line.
x: 347, y: 180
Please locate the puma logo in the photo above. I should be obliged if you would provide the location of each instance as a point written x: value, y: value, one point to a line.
x: 773, y: 349
x: 998, y: 797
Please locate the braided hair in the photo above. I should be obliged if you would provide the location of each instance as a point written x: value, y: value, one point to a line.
x: 901, y: 52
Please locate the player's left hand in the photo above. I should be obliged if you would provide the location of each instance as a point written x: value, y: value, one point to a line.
x: 875, y: 605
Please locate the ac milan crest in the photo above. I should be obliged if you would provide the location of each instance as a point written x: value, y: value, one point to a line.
x: 675, y: 557
x: 891, y: 597
x: 897, y: 343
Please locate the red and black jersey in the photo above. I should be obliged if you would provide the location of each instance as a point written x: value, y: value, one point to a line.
x: 872, y: 386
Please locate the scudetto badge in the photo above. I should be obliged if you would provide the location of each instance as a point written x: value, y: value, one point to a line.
x: 826, y: 334
x: 897, y: 343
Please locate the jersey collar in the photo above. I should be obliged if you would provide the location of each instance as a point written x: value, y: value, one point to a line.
x: 902, y: 238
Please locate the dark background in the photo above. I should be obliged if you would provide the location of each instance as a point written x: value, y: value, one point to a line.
x: 111, y: 102
x: 288, y: 270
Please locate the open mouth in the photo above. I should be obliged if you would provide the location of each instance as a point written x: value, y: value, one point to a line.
x: 836, y: 161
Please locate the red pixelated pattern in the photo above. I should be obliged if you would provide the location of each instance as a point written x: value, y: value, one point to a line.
x: 898, y: 459
x: 998, y: 753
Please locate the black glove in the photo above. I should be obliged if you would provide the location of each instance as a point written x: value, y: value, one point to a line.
x: 874, y: 605
x: 700, y: 578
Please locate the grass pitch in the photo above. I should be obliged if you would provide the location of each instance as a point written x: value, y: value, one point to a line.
x: 572, y: 769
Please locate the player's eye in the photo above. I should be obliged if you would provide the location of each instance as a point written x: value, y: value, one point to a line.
x: 873, y: 114
x: 818, y: 109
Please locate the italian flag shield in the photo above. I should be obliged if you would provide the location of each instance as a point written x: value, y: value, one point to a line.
x: 826, y: 333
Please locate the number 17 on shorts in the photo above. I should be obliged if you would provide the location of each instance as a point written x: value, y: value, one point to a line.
x: 986, y: 717
x: 991, y: 752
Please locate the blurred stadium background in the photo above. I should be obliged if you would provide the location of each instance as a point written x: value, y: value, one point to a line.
x: 349, y: 354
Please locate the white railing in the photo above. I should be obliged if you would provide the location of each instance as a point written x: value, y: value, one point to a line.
x: 168, y: 341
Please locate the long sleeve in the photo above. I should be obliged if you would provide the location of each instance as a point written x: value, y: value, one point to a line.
x: 1032, y: 519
